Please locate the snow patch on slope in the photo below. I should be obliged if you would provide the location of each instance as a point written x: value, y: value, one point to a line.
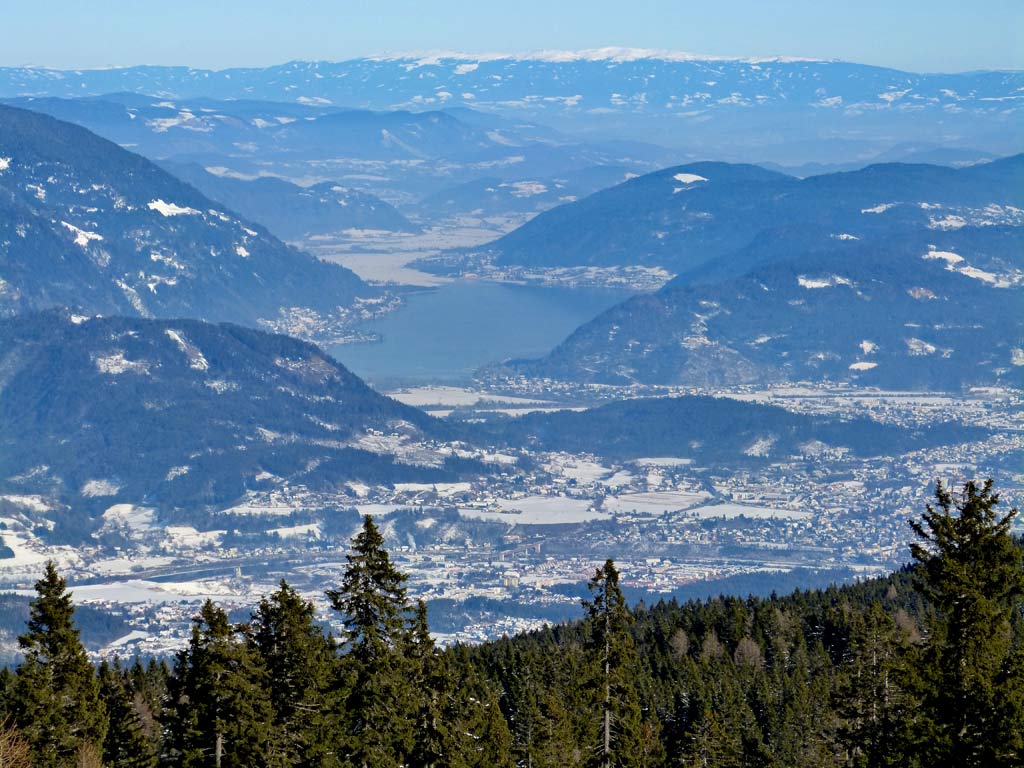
x: 881, y: 208
x: 822, y: 282
x: 170, y: 209
x: 688, y: 178
x: 196, y: 360
x: 94, y: 488
x: 116, y: 364
x: 919, y: 348
x: 82, y: 238
x: 947, y: 256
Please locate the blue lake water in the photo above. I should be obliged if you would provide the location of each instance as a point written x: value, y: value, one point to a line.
x: 443, y: 335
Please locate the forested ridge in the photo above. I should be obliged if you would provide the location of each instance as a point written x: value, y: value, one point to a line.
x: 924, y: 667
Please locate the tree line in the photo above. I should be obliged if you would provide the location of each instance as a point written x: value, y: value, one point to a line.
x: 921, y: 668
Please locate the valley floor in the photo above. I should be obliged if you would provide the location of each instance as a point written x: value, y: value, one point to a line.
x: 508, y: 553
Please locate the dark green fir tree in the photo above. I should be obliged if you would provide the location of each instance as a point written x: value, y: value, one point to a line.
x: 127, y: 745
x: 379, y: 710
x: 220, y: 713
x: 300, y: 666
x: 56, y: 699
x: 618, y: 738
x: 972, y: 575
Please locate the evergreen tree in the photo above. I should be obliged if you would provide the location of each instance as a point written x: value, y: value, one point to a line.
x: 714, y: 743
x: 55, y: 699
x: 972, y: 575
x: 379, y: 708
x: 620, y: 742
x: 299, y: 662
x: 871, y: 698
x: 432, y: 688
x: 523, y: 709
x: 371, y: 598
x: 488, y: 743
x: 149, y: 687
x: 556, y: 745
x: 471, y: 731
x: 127, y: 744
x: 220, y: 714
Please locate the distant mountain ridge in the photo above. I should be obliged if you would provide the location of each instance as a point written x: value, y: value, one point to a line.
x: 805, y: 109
x: 399, y: 155
x: 292, y: 212
x: 88, y: 224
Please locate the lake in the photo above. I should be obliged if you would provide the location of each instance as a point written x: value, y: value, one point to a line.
x: 444, y: 334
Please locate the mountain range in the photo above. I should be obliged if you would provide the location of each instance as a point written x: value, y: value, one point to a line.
x: 779, y: 109
x: 398, y: 155
x: 932, y: 309
x: 87, y: 224
x: 177, y: 421
x: 686, y: 217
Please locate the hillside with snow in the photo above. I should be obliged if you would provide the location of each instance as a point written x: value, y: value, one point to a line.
x: 89, y: 225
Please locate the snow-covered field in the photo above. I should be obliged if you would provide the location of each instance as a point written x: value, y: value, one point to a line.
x: 382, y: 257
x: 442, y: 489
x: 141, y: 591
x: 380, y: 510
x: 662, y: 461
x: 583, y: 471
x: 652, y: 503
x: 455, y: 396
x: 121, y: 566
x: 537, y: 510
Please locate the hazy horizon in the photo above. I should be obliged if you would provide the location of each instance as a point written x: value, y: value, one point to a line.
x: 916, y: 36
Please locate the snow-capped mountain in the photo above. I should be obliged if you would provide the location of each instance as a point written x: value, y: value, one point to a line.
x: 87, y: 224
x: 787, y: 110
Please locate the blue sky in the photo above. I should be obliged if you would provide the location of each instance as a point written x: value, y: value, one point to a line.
x: 918, y: 35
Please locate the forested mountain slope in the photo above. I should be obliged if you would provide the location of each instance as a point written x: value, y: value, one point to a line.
x: 87, y: 224
x: 936, y: 309
x: 185, y: 415
x: 292, y: 212
x: 713, y: 429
